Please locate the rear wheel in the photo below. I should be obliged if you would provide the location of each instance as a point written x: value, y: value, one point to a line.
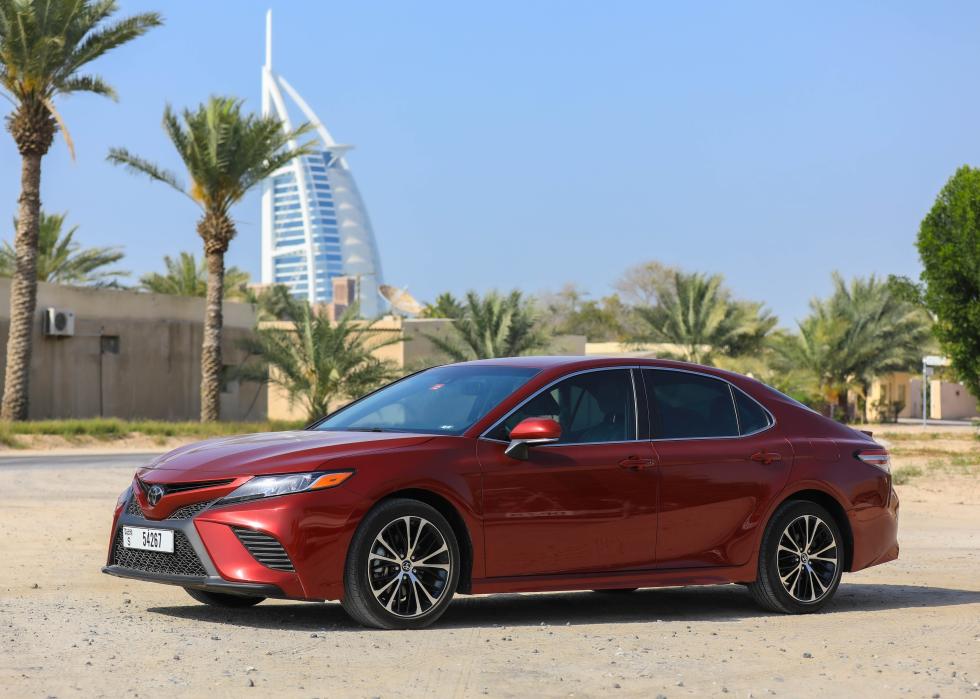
x: 800, y: 561
x: 220, y: 599
x: 402, y: 566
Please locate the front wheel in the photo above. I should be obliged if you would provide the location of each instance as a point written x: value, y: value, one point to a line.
x: 219, y: 599
x: 402, y: 566
x: 800, y: 561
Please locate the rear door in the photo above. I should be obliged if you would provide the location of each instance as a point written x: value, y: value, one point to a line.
x: 721, y: 462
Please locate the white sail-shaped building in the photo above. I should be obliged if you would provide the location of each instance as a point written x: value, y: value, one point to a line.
x: 314, y: 223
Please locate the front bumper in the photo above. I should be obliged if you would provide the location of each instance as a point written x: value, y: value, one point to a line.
x: 313, y: 529
x: 208, y: 583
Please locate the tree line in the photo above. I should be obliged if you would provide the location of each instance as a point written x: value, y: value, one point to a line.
x: 866, y: 327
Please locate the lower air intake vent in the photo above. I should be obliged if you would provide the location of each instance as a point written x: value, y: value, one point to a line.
x: 265, y: 549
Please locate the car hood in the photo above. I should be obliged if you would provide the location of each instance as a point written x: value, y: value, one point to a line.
x: 270, y: 452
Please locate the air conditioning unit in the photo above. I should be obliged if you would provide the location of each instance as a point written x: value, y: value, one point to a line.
x: 59, y: 322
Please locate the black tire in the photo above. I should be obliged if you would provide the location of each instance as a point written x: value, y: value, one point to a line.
x: 617, y: 591
x: 220, y: 599
x: 360, y: 600
x: 812, y: 580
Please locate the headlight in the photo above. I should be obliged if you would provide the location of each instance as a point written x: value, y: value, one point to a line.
x: 271, y: 486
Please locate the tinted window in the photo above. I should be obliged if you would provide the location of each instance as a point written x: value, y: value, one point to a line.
x: 593, y: 407
x: 690, y: 405
x: 444, y: 400
x: 751, y: 416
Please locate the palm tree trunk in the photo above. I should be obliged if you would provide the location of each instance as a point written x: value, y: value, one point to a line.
x: 23, y: 292
x: 211, y: 366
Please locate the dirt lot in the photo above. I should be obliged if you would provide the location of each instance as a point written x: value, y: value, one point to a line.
x: 909, y: 628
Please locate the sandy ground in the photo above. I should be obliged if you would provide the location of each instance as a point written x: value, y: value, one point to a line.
x: 908, y: 628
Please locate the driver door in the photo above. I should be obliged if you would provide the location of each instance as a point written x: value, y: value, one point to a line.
x: 585, y: 504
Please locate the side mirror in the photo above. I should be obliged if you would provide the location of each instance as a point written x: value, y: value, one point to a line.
x: 531, y: 431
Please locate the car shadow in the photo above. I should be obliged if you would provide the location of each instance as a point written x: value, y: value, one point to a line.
x: 717, y: 603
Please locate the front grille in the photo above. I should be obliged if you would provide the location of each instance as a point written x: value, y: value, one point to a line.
x: 133, y: 507
x: 265, y: 549
x: 183, y: 561
x: 188, y: 511
x: 182, y: 487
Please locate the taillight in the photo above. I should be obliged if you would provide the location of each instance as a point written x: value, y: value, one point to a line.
x: 875, y: 457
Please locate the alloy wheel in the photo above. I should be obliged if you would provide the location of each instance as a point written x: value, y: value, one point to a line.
x: 409, y: 566
x: 807, y: 559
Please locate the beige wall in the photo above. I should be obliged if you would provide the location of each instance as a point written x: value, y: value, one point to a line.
x: 947, y: 400
x: 951, y: 401
x: 156, y: 373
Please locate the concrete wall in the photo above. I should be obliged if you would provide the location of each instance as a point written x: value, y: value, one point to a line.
x: 151, y: 371
x: 951, y: 401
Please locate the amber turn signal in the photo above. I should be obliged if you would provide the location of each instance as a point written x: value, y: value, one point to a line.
x: 330, y: 480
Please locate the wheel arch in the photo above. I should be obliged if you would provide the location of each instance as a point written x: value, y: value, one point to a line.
x: 836, y: 510
x: 455, y: 519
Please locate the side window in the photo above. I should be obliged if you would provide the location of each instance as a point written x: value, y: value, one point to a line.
x: 596, y: 406
x: 751, y: 417
x: 688, y: 405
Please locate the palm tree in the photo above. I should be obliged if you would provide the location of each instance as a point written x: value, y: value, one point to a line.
x: 696, y: 313
x: 316, y: 361
x: 273, y: 302
x: 186, y: 277
x: 44, y: 46
x: 226, y: 152
x: 492, y: 326
x: 863, y: 330
x: 445, y: 306
x: 61, y: 260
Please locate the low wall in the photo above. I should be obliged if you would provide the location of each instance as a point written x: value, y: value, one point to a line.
x: 133, y: 355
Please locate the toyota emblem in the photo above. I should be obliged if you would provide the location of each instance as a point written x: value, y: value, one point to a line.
x: 154, y: 494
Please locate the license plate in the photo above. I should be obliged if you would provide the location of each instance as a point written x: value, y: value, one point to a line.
x: 148, y: 539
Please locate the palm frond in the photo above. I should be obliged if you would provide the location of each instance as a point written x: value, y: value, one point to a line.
x: 138, y: 165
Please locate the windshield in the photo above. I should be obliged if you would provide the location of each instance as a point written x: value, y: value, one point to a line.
x: 443, y: 400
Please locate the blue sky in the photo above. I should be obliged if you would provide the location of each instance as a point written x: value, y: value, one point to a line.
x: 531, y: 144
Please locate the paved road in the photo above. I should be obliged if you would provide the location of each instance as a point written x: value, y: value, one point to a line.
x: 128, y: 460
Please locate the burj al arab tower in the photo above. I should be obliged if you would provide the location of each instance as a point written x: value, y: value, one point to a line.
x: 315, y: 226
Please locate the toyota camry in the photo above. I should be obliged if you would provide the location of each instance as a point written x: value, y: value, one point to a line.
x: 518, y: 475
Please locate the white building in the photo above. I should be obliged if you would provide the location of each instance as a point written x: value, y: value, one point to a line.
x: 314, y: 223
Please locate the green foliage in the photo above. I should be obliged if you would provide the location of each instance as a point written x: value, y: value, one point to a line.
x: 446, y: 306
x: 569, y: 313
x: 493, y: 326
x: 273, y: 302
x: 862, y: 330
x: 949, y: 246
x: 184, y: 276
x: 45, y: 43
x: 225, y: 150
x: 905, y: 474
x: 698, y: 314
x: 108, y: 429
x: 318, y: 362
x: 61, y: 260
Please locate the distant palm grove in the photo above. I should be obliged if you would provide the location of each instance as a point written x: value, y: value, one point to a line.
x: 866, y: 327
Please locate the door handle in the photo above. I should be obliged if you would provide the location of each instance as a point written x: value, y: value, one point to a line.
x: 635, y: 463
x: 767, y: 457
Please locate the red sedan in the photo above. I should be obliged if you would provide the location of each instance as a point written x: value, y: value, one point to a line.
x: 519, y: 475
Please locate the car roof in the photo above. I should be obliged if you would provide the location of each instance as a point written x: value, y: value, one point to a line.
x: 575, y: 362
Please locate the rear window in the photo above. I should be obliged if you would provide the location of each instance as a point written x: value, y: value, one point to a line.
x: 751, y: 417
x: 686, y: 405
